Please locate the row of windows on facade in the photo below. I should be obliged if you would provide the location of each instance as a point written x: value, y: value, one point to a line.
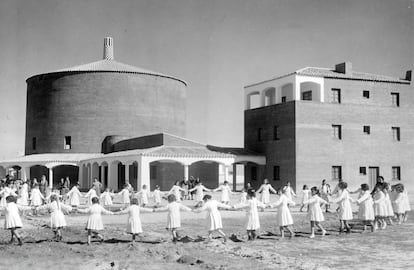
x: 336, y: 96
x: 336, y: 132
x: 336, y: 172
x: 67, y: 143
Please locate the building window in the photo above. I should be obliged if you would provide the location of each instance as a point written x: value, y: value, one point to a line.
x: 283, y: 99
x: 337, y: 132
x: 68, y: 143
x: 259, y: 134
x: 34, y: 143
x: 253, y: 172
x: 363, y: 170
x: 153, y: 172
x: 276, y: 173
x: 367, y: 130
x: 336, y: 172
x: 365, y: 94
x: 336, y: 95
x: 307, y: 95
x: 396, y: 173
x: 395, y: 99
x: 396, y: 133
x: 276, y: 135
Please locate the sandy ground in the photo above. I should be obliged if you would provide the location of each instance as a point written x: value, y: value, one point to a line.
x: 392, y: 248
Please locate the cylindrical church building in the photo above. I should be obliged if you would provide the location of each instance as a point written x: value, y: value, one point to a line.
x: 73, y: 110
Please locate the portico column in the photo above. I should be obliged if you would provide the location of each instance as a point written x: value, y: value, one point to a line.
x: 186, y: 172
x: 25, y: 173
x: 226, y: 172
x: 234, y: 176
x: 127, y: 172
x: 51, y: 178
x: 143, y: 173
x: 102, y: 174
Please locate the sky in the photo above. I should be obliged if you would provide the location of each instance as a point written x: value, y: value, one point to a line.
x: 217, y: 46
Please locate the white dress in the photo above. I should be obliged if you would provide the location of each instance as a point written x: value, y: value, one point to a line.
x: 243, y: 197
x: 315, y: 210
x: 74, y: 196
x: 24, y: 195
x: 213, y: 213
x: 12, y: 218
x: 6, y: 191
x: 91, y: 194
x: 283, y: 217
x: 252, y: 214
x: 57, y: 218
x: 95, y: 216
x: 134, y: 221
x: 106, y: 198
x: 176, y: 190
x: 157, y: 195
x: 225, y: 192
x: 305, y: 195
x: 143, y: 195
x: 344, y: 201
x: 388, y: 204
x: 265, y: 190
x: 174, y: 216
x: 366, y: 206
x: 398, y: 204
x: 406, y: 201
x: 380, y: 208
x: 125, y: 196
x: 36, y: 197
x: 289, y: 193
x: 199, y: 189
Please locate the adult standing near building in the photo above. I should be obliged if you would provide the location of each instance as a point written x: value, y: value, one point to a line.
x: 43, y: 185
x: 325, y: 190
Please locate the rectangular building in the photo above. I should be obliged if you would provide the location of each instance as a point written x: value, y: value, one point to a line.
x: 319, y: 123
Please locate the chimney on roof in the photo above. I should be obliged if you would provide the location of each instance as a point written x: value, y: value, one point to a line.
x: 108, y: 52
x: 409, y: 75
x: 345, y: 68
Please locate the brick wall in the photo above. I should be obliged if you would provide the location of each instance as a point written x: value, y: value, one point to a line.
x: 90, y: 106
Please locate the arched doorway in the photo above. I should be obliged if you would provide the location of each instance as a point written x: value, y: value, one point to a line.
x: 269, y: 96
x: 253, y: 100
x: 63, y: 171
x: 3, y: 172
x: 37, y: 171
x: 207, y: 171
x: 165, y: 173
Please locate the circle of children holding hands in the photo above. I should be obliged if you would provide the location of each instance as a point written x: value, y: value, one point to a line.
x: 377, y: 208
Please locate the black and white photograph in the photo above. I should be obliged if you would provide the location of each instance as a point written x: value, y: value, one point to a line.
x: 206, y: 134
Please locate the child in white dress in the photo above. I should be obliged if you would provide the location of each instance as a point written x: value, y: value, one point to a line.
x: 90, y: 195
x: 74, y: 196
x: 406, y: 203
x: 389, y: 210
x: 106, y: 198
x: 12, y: 219
x: 315, y: 211
x: 176, y: 190
x: 143, y: 194
x: 134, y: 226
x: 94, y: 223
x: 125, y: 196
x: 265, y: 189
x: 157, y: 195
x: 24, y: 194
x: 174, y: 217
x: 57, y: 218
x: 305, y: 196
x: 211, y: 206
x: 243, y: 196
x: 4, y: 193
x: 225, y: 192
x: 289, y: 192
x: 380, y: 208
x: 398, y: 203
x: 36, y: 198
x: 366, y: 207
x: 345, y: 208
x: 252, y: 214
x: 199, y: 189
x: 284, y: 217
